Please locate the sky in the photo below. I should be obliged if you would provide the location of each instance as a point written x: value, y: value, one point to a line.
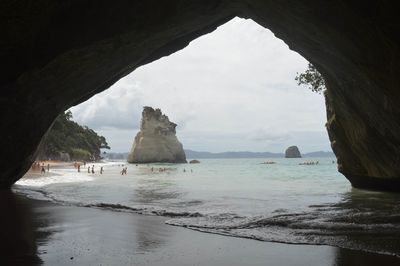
x: 230, y: 90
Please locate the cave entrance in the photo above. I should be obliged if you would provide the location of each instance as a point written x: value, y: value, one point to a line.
x: 230, y: 90
x: 53, y: 64
x: 73, y: 52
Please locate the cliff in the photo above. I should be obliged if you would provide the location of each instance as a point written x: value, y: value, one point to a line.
x: 67, y: 140
x: 156, y: 140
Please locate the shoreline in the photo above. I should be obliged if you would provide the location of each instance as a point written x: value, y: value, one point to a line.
x: 64, y: 229
x: 40, y: 232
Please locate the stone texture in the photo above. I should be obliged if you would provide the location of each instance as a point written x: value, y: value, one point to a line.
x: 156, y: 141
x: 55, y: 54
x: 292, y: 152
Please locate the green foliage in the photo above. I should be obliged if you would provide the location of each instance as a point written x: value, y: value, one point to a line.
x: 312, y: 78
x: 81, y: 143
x: 80, y: 154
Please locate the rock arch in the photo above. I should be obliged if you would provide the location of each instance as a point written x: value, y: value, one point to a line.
x: 55, y: 54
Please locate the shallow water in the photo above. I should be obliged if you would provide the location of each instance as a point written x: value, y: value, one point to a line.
x: 282, y: 202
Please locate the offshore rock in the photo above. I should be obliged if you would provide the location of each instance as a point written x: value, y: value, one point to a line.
x: 292, y: 152
x: 156, y: 140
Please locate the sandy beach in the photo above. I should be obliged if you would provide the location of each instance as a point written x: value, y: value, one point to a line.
x: 38, y: 232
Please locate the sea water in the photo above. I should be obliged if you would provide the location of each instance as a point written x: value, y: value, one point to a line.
x: 281, y: 202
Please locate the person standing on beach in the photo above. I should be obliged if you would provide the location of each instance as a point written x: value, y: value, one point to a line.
x: 92, y: 169
x: 43, y: 170
x: 124, y: 171
x: 88, y: 169
x: 101, y: 170
x: 79, y: 167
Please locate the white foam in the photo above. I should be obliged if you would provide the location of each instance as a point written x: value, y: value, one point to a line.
x: 61, y: 176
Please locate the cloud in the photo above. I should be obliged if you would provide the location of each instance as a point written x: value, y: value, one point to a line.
x: 232, y: 89
x: 115, y: 108
x: 266, y: 135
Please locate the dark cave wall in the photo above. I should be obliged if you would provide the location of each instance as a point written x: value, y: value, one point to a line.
x: 56, y: 54
x: 75, y: 49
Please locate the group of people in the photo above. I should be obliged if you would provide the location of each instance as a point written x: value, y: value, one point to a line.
x: 164, y: 169
x: 37, y: 166
x: 159, y: 169
x: 40, y: 166
x: 91, y: 169
x: 309, y: 163
x: 268, y: 162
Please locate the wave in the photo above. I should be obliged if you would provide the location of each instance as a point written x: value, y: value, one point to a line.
x: 143, y: 210
x: 56, y: 177
x: 371, y: 232
x: 42, y: 195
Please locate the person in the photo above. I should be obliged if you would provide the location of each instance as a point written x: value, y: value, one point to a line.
x: 79, y: 167
x: 43, y: 170
x: 101, y: 170
x: 124, y: 171
x: 34, y: 165
x: 88, y: 169
x: 48, y: 167
x: 92, y: 169
x: 184, y: 170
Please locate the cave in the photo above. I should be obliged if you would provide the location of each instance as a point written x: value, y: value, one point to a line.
x: 58, y: 54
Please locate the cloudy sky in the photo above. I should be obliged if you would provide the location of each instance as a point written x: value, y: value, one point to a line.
x: 230, y: 90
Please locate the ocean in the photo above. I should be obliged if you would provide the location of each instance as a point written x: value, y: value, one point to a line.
x: 282, y: 202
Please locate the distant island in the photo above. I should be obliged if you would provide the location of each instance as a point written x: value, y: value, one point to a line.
x: 228, y: 155
x: 292, y: 152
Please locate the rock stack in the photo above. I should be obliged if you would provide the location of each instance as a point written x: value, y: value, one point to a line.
x: 156, y: 140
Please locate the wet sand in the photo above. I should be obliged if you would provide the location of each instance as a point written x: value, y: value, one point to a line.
x: 37, y: 232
